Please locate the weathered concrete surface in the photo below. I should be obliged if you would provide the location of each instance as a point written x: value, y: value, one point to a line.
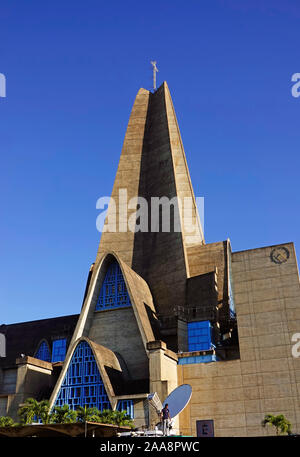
x: 153, y: 164
x: 237, y: 394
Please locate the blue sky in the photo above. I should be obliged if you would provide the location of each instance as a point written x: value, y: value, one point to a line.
x: 73, y: 69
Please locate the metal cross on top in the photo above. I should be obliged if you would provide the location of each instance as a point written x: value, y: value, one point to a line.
x: 155, y: 70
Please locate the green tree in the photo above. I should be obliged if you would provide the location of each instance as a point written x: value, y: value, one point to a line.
x: 33, y: 410
x: 63, y: 415
x: 43, y: 411
x: 6, y: 421
x: 107, y: 416
x: 122, y: 418
x: 27, y: 411
x: 281, y: 424
x: 85, y: 414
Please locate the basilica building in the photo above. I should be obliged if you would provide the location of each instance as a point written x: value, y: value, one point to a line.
x: 164, y: 308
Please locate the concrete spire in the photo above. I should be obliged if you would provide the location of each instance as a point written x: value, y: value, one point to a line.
x: 153, y: 164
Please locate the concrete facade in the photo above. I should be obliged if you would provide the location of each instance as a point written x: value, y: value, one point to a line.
x: 26, y: 380
x: 107, y: 331
x: 265, y: 380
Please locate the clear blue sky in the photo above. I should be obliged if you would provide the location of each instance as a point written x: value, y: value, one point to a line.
x: 73, y: 69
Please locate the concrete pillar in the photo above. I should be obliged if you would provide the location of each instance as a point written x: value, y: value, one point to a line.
x: 162, y: 372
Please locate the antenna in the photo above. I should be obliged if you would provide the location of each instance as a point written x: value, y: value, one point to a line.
x: 155, y: 70
x: 155, y: 402
x: 178, y: 399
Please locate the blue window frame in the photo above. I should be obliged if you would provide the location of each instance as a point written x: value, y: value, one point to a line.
x: 83, y: 384
x: 113, y: 293
x: 200, y: 336
x: 59, y: 350
x: 127, y: 406
x: 43, y: 352
x: 198, y: 359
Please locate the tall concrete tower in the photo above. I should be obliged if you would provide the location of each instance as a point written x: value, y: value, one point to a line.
x: 153, y: 166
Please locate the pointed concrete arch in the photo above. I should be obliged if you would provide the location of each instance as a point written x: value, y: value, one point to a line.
x: 139, y: 293
x: 105, y: 358
x: 140, y: 296
x: 43, y: 340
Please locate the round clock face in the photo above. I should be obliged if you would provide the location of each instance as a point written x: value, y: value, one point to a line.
x: 279, y: 255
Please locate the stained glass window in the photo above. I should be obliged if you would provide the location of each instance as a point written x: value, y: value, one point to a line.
x: 126, y: 405
x: 43, y: 352
x: 113, y: 293
x: 82, y: 384
x: 59, y: 350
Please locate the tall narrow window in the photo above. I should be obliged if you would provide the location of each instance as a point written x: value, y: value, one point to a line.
x: 83, y: 384
x: 43, y: 352
x: 59, y: 350
x: 113, y: 293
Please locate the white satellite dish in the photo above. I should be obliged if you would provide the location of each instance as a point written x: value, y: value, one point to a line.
x: 178, y: 399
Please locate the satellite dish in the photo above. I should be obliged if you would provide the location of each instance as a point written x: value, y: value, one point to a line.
x: 178, y: 399
x: 155, y: 402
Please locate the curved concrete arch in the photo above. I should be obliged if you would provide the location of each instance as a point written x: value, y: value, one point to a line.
x: 140, y: 296
x: 38, y: 347
x: 104, y: 358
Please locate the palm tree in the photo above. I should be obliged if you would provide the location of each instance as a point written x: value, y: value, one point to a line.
x: 43, y: 412
x: 33, y: 410
x: 281, y: 424
x: 124, y: 419
x: 28, y: 411
x: 107, y: 416
x: 6, y: 421
x: 63, y: 415
x: 85, y: 414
